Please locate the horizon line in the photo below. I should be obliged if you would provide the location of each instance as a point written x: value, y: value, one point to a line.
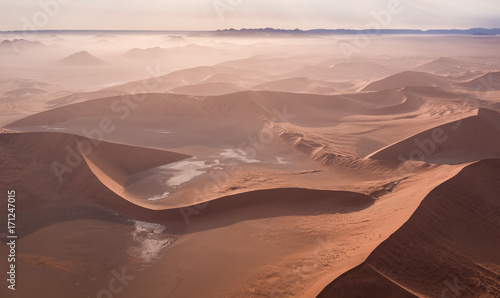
x: 252, y: 29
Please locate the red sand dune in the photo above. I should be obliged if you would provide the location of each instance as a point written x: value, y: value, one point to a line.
x: 448, y: 247
x: 467, y: 140
x: 30, y: 158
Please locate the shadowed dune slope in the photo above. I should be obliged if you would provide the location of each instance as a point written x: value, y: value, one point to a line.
x: 121, y: 161
x: 449, y: 246
x: 54, y: 176
x: 466, y: 140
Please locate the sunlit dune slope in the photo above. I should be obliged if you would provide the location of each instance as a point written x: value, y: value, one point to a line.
x: 449, y: 246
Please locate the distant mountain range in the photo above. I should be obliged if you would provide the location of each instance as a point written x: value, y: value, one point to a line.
x: 472, y: 31
x: 265, y: 31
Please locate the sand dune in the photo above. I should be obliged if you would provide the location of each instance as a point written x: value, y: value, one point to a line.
x: 18, y: 97
x: 65, y: 157
x: 407, y: 79
x: 241, y: 80
x: 207, y: 89
x: 299, y: 85
x: 445, y: 65
x: 83, y: 196
x: 362, y: 70
x: 83, y: 96
x: 447, y: 247
x: 190, y: 76
x: 30, y: 167
x: 162, y: 105
x: 249, y: 106
x: 246, y: 113
x: 462, y: 141
x: 344, y: 71
x: 273, y: 66
x: 487, y: 82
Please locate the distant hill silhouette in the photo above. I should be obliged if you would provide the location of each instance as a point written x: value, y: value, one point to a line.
x: 17, y: 46
x: 81, y: 58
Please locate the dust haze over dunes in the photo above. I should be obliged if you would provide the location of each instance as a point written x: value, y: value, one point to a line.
x: 251, y: 164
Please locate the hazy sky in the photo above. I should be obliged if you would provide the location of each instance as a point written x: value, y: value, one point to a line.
x: 221, y: 14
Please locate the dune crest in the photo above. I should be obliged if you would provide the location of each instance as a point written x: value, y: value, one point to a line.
x: 467, y: 140
x: 436, y: 253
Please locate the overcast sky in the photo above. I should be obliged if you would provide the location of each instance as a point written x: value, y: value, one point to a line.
x: 221, y: 14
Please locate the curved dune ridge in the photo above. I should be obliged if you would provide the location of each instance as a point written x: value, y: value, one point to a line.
x: 487, y: 82
x: 467, y: 140
x: 249, y: 105
x: 449, y: 246
x: 146, y: 106
x: 83, y: 96
x: 300, y: 85
x: 408, y: 79
x: 82, y: 162
x: 193, y: 76
x: 228, y: 119
x: 112, y: 163
x: 96, y: 178
x: 444, y: 65
x: 344, y: 71
x: 194, y: 121
x: 207, y: 89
